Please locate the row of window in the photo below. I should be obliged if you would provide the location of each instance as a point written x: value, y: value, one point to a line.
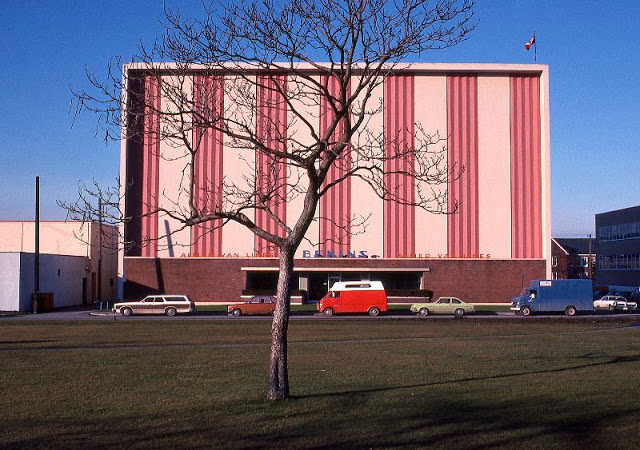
x: 619, y: 262
x: 618, y: 232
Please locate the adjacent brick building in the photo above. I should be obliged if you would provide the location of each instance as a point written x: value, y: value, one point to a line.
x: 573, y: 258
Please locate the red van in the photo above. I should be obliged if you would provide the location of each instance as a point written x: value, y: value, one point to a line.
x: 354, y: 297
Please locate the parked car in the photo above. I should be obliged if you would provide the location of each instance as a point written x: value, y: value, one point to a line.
x: 169, y: 305
x: 444, y: 305
x: 614, y: 303
x: 259, y: 304
x: 610, y: 302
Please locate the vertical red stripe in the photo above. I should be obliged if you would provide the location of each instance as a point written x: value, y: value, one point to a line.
x: 208, y: 95
x: 462, y: 125
x: 526, y: 167
x: 271, y: 172
x: 335, y: 205
x: 150, y: 159
x: 399, y: 129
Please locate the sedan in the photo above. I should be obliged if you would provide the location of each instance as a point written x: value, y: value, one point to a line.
x: 169, y: 305
x: 444, y: 305
x: 259, y: 304
x: 610, y: 302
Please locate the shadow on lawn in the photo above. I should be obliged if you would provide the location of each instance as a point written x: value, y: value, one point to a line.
x: 614, y: 360
x: 458, y: 414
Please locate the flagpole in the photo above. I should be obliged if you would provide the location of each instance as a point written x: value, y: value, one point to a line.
x: 535, y: 49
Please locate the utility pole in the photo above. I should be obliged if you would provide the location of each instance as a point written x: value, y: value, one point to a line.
x: 589, y: 268
x: 100, y: 251
x: 36, y: 281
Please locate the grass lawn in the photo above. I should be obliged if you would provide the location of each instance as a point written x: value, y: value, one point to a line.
x: 357, y: 383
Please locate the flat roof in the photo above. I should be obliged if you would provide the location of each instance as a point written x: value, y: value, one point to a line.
x: 487, y: 68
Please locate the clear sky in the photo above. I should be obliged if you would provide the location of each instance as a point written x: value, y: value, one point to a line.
x: 590, y: 47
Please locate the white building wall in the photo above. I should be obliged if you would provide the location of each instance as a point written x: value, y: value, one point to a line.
x: 494, y: 167
x: 9, y: 281
x: 298, y: 135
x: 174, y: 164
x: 365, y: 203
x: 431, y: 115
x: 238, y: 161
x: 59, y: 274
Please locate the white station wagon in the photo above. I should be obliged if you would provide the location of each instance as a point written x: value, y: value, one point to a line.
x: 169, y: 305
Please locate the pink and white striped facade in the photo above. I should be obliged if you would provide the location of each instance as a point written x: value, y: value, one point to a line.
x: 495, y: 118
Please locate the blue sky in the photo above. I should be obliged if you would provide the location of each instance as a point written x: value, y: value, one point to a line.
x: 590, y: 48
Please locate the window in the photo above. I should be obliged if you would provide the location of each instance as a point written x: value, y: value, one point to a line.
x: 554, y: 261
x: 358, y: 286
x: 583, y: 261
x: 619, y: 262
x: 630, y: 230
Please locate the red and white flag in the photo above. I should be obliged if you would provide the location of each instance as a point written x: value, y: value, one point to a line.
x: 530, y: 42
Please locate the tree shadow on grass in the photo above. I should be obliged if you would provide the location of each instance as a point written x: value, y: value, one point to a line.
x: 459, y: 413
x: 612, y: 361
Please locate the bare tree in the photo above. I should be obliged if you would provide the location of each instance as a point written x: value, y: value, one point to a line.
x: 267, y: 52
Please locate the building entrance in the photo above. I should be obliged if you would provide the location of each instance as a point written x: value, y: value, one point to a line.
x: 315, y: 285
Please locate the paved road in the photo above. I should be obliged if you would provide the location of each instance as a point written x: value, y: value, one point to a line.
x: 85, y: 313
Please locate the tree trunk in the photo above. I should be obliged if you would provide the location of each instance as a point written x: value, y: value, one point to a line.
x: 278, y: 387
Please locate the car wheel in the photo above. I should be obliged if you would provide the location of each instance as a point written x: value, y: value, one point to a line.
x: 126, y: 311
x: 459, y: 312
x: 423, y: 312
x: 570, y: 311
x: 170, y: 312
x: 526, y: 311
x: 328, y: 312
x: 374, y: 312
x: 236, y: 312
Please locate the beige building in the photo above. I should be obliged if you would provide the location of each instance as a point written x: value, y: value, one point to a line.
x: 491, y: 119
x: 73, y: 266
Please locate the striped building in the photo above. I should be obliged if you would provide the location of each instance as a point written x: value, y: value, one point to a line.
x: 495, y: 121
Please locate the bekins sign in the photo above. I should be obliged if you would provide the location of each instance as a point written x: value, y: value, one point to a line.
x: 330, y: 254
